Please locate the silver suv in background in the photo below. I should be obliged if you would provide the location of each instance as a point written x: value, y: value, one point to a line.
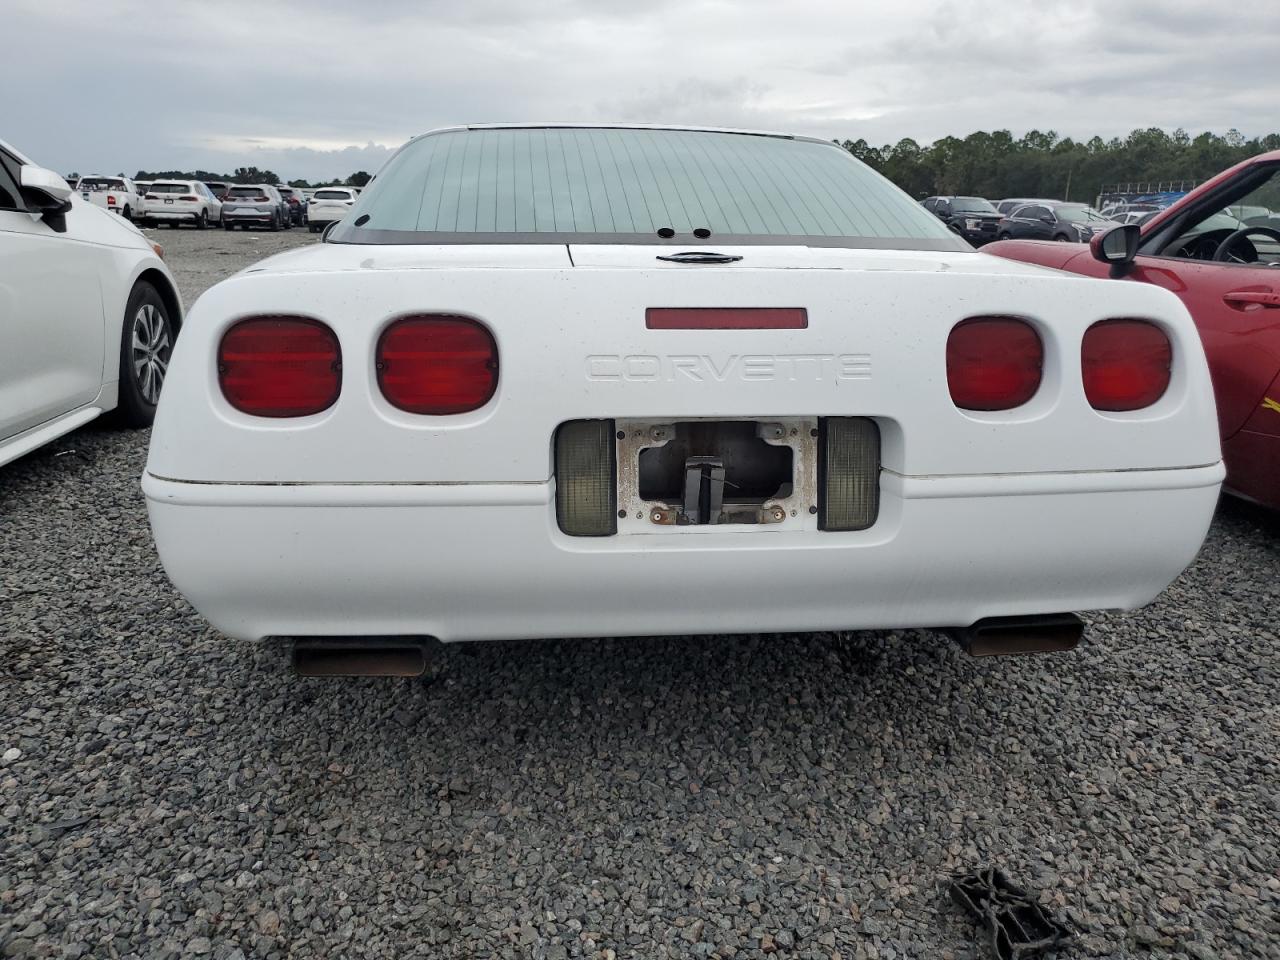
x: 254, y: 204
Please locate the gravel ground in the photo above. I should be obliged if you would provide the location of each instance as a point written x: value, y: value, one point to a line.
x: 167, y: 793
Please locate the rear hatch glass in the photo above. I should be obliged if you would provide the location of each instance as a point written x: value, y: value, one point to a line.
x: 625, y: 185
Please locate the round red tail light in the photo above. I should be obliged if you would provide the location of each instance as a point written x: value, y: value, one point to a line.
x: 280, y: 366
x: 1125, y: 364
x: 437, y: 364
x: 993, y: 363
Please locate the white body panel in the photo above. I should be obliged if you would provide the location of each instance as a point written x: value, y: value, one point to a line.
x: 486, y: 561
x: 366, y: 520
x: 574, y: 345
x: 62, y: 307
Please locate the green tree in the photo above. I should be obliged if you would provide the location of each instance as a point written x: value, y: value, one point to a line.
x: 1042, y: 164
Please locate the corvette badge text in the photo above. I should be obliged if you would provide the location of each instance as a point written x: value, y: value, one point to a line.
x: 705, y: 368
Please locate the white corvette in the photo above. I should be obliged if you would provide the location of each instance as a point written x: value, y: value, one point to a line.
x: 553, y: 381
x: 88, y: 311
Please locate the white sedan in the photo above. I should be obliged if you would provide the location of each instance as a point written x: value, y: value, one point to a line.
x: 88, y: 311
x: 570, y: 381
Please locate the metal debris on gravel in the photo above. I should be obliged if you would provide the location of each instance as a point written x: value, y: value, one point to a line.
x: 166, y: 793
x: 1015, y: 925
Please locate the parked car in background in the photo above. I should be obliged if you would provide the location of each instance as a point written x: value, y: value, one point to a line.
x: 1065, y: 222
x: 555, y: 401
x: 90, y: 311
x: 1227, y: 272
x: 116, y: 194
x: 141, y: 186
x: 1254, y: 215
x: 294, y: 203
x: 973, y: 218
x: 257, y: 204
x: 1118, y: 211
x: 181, y: 201
x: 1133, y: 216
x: 1006, y: 207
x: 218, y: 188
x: 327, y: 205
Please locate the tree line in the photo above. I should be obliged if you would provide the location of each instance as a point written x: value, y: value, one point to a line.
x: 1042, y: 164
x: 993, y: 165
x: 248, y: 175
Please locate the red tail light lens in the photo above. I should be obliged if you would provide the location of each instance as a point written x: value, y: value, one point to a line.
x: 437, y: 364
x: 993, y: 363
x: 188, y: 198
x: 111, y: 201
x: 1125, y: 363
x: 280, y: 366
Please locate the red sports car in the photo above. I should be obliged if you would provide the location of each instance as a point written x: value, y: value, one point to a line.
x: 1218, y: 248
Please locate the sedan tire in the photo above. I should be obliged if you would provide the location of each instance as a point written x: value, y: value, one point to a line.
x: 202, y: 220
x: 146, y: 344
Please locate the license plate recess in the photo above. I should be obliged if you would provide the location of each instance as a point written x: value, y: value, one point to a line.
x: 748, y: 474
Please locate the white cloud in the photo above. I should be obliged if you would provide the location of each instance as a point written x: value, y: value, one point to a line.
x: 308, y: 87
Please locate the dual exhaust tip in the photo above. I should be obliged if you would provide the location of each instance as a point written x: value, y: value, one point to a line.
x: 411, y: 656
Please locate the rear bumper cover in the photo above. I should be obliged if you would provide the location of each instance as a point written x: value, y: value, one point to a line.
x: 154, y: 213
x: 486, y: 560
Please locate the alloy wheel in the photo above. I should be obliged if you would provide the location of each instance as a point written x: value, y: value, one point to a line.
x: 151, y: 349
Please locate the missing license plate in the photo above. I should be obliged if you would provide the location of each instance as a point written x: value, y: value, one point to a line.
x: 714, y: 473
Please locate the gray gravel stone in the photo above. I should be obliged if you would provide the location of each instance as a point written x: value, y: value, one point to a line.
x: 176, y: 791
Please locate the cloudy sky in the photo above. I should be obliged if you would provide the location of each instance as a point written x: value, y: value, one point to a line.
x: 319, y: 88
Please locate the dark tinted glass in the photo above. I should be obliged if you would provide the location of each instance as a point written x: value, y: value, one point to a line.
x: 624, y: 185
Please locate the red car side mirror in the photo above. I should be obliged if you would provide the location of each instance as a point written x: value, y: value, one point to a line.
x: 1117, y: 247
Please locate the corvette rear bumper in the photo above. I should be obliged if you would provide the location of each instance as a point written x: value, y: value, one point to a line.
x: 487, y: 561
